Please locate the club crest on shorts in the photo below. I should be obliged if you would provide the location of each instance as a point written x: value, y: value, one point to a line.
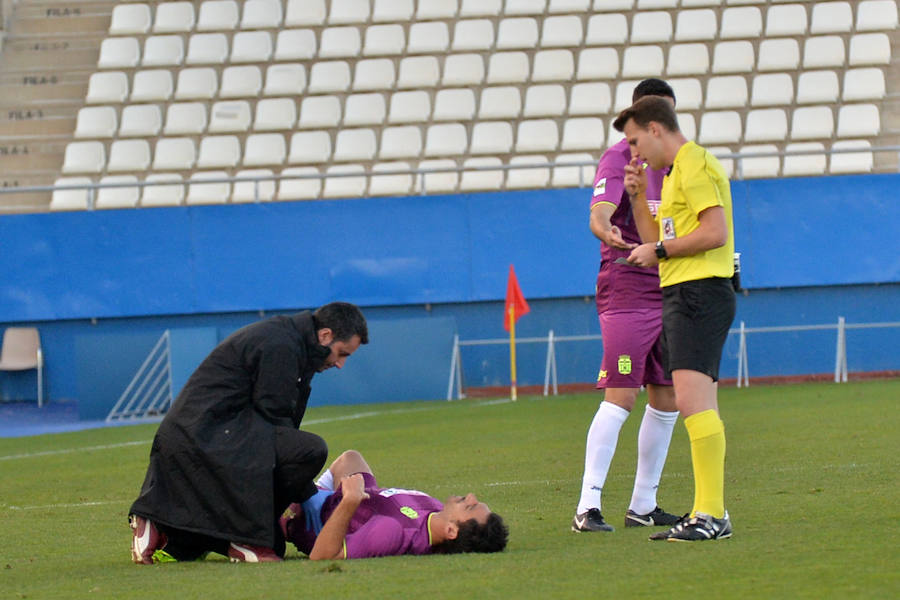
x: 624, y: 364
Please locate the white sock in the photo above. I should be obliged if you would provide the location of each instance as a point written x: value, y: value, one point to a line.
x: 653, y: 447
x: 601, y: 445
x: 326, y: 480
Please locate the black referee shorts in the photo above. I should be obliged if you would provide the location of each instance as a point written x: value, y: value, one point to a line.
x: 696, y: 318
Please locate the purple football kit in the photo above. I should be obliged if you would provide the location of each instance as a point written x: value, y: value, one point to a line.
x: 629, y: 299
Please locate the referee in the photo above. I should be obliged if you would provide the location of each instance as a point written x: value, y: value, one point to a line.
x: 692, y: 240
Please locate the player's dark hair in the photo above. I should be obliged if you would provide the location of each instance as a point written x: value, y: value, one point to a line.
x: 647, y: 109
x: 343, y: 319
x: 475, y: 537
x: 652, y: 87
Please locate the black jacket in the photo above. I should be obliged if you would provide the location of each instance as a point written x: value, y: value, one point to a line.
x: 212, y: 459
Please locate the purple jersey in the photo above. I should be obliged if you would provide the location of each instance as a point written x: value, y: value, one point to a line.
x: 624, y: 286
x: 391, y: 522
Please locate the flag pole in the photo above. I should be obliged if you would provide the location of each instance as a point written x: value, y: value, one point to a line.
x: 512, y: 352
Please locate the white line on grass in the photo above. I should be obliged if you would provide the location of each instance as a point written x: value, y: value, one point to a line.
x: 72, y: 450
x: 68, y: 505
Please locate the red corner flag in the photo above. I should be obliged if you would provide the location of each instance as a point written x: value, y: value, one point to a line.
x: 515, y: 302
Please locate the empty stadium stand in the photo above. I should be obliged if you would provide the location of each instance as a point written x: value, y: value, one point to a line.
x: 335, y: 98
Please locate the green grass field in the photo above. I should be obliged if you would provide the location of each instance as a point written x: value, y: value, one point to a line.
x: 811, y: 485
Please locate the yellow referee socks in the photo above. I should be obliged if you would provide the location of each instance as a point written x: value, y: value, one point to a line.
x: 707, y: 434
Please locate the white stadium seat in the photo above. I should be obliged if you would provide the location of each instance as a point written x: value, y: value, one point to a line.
x: 508, y: 67
x: 624, y: 93
x: 744, y: 22
x: 175, y: 154
x: 390, y: 184
x: 130, y: 19
x: 152, y: 84
x: 273, y: 114
x: 589, y: 98
x: 688, y: 93
x: 208, y: 193
x: 346, y: 186
x: 751, y: 167
x: 864, y: 84
x: 170, y: 193
x: 409, y: 107
x: 251, y: 46
x: 400, y: 142
x: 207, y: 49
x: 538, y: 135
x: 480, y: 8
x: 823, y: 51
x: 384, y: 40
x: 831, y: 17
x: 870, y: 49
x: 174, y: 17
x: 804, y: 164
x: 229, y: 116
x: 473, y: 34
x: 329, y: 76
x: 733, y: 57
x: 445, y: 139
x: 240, y: 82
x: 305, y: 12
x: 70, y: 199
x: 339, y: 42
x: 476, y: 177
x: 817, y: 87
x: 766, y: 124
x: 642, y: 61
x: 561, y: 32
x: 107, y: 87
x: 140, y: 120
x: 364, y: 109
x: 812, y: 122
x: 771, y: 89
x: 285, y: 80
x: 500, y: 102
x: 454, y: 105
x: 217, y: 15
x: 219, y: 151
x: 568, y: 6
x: 390, y: 11
x: 553, y: 65
x: 788, y: 19
x: 295, y: 44
x: 544, y: 101
x: 651, y: 26
x: 696, y: 25
x: 260, y: 190
x: 491, y: 137
x: 261, y: 14
x: 687, y: 59
x: 729, y: 91
x: 96, y: 122
x: 186, y: 118
x: 163, y: 50
x: 428, y: 37
x: 119, y: 52
x: 264, y: 149
x: 778, y: 55
x: 517, y: 32
x: 597, y: 63
x: 463, y: 69
x: 437, y: 181
x: 524, y: 7
x: 720, y: 127
x: 528, y: 175
x: 319, y: 111
x: 858, y: 120
x: 299, y: 189
x: 583, y: 133
x: 128, y: 155
x: 574, y: 175
x: 876, y: 15
x: 720, y: 152
x: 418, y: 71
x: 606, y: 29
x: 850, y: 162
x: 688, y: 125
x: 436, y: 9
x: 117, y: 197
x: 196, y: 83
x: 310, y: 147
x: 374, y: 74
x: 349, y: 11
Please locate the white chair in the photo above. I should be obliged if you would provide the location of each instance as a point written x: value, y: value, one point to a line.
x: 864, y: 84
x: 766, y: 124
x: 107, y: 87
x: 354, y: 144
x: 624, y: 93
x: 251, y: 46
x: 261, y: 14
x: 400, y: 142
x: 473, y: 34
x: 651, y: 26
x: 305, y: 12
x: 538, y: 135
x: 436, y: 9
x: 409, y: 107
x: 502, y: 102
x: 831, y: 17
x: 454, y: 105
x: 340, y: 183
x: 374, y: 74
x: 720, y: 127
x: 117, y: 197
x: 693, y: 25
x: 264, y: 149
x: 435, y: 182
x: 812, y: 122
x: 219, y: 151
x: 817, y: 87
x: 382, y: 40
x: 428, y: 37
x: 174, y: 17
x: 310, y: 147
x: 743, y: 22
x: 850, y: 162
x: 152, y: 85
x: 688, y: 59
x: 140, y: 120
x: 274, y: 114
x: 687, y: 125
x: 229, y: 116
x: 690, y: 3
x: 733, y: 57
x: 170, y: 193
x: 553, y: 65
x: 573, y: 175
x: 349, y: 11
x: 175, y: 154
x: 186, y: 118
x: 642, y: 4
x: 642, y: 61
x: 606, y: 29
x: 299, y: 189
x: 778, y: 55
x: 858, y: 120
x: 390, y: 184
x: 96, y: 122
x: 480, y: 8
x: 804, y: 164
x: 198, y: 83
x: 527, y: 174
x: 517, y: 32
x: 463, y: 69
x: 340, y: 42
x: 751, y: 167
x: 418, y: 71
x: 568, y: 6
x: 870, y: 49
x: 257, y: 190
x: 217, y: 15
x: 788, y: 19
x: 524, y: 7
x: 207, y: 49
x: 583, y: 133
x: 445, y: 139
x: 295, y: 44
x: 544, y: 101
x: 597, y: 63
x: 561, y: 32
x: 119, y: 52
x: 130, y: 19
x: 392, y: 11
x: 329, y: 76
x: 688, y: 93
x: 476, y: 177
x: 285, y: 80
x: 590, y: 99
x: 824, y: 51
x: 507, y: 67
x: 208, y: 193
x: 241, y: 82
x: 772, y: 89
x: 70, y: 199
x: 364, y: 109
x: 729, y: 91
x: 319, y: 111
x: 128, y: 155
x: 163, y: 50
x: 876, y: 15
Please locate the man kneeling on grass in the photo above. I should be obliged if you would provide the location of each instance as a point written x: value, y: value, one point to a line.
x: 361, y: 520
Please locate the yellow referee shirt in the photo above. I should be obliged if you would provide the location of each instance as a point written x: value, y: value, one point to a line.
x: 696, y: 182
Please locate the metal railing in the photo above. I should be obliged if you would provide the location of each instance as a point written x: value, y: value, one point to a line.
x: 150, y: 392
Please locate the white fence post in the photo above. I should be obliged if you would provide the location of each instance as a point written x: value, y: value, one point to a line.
x: 743, y: 378
x: 840, y: 361
x: 550, y: 368
x: 454, y: 365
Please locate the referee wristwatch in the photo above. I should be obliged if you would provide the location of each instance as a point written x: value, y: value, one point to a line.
x: 661, y: 253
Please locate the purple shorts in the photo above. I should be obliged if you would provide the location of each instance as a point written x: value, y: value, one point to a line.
x: 632, y: 350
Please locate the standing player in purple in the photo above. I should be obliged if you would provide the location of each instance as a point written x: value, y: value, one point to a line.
x: 362, y: 520
x: 629, y: 304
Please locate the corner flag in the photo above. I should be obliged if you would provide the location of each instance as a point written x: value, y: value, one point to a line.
x: 515, y: 301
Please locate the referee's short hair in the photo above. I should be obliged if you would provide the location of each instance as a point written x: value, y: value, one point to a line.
x: 647, y: 109
x: 652, y: 87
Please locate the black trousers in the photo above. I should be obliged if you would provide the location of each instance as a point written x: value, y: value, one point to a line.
x: 299, y: 457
